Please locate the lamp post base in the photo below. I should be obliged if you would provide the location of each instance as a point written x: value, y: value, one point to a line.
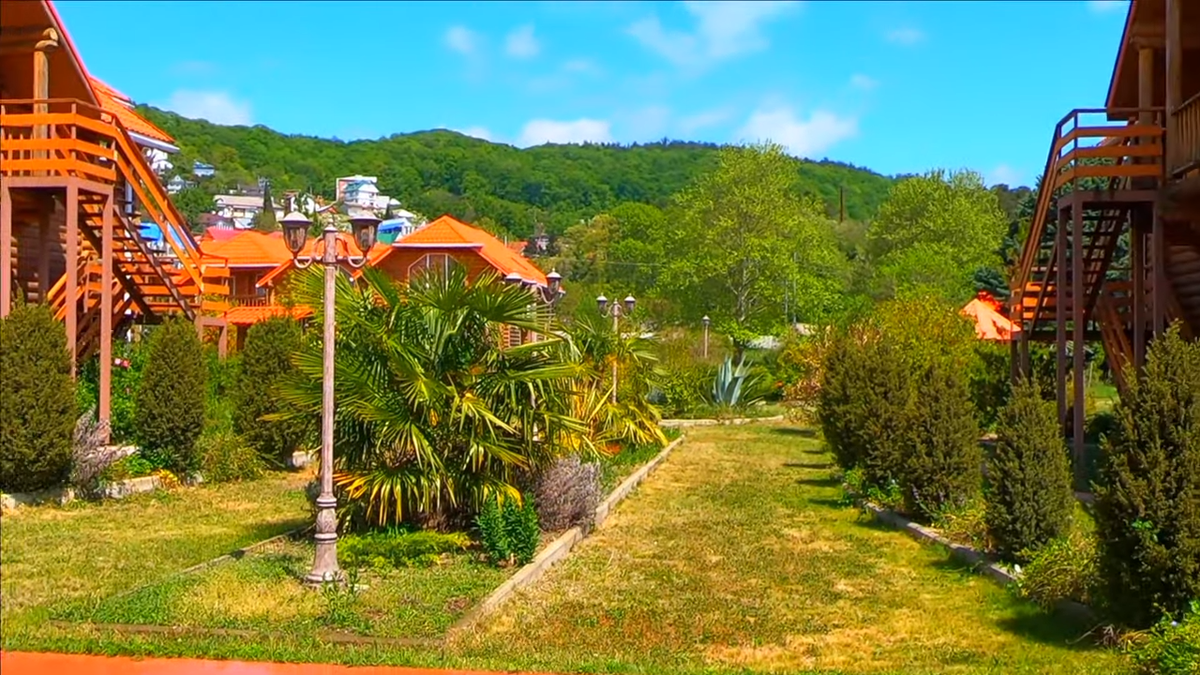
x: 325, y: 567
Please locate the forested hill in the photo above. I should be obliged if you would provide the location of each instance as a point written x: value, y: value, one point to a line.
x: 436, y: 172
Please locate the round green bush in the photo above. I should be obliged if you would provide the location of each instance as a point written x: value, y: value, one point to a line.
x: 38, y: 406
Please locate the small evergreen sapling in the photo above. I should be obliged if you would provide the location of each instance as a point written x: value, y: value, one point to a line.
x: 1148, y: 504
x: 943, y: 470
x: 171, y: 397
x: 38, y: 405
x: 1030, y: 499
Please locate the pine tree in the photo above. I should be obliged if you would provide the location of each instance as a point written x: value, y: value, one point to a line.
x: 1030, y: 499
x: 38, y: 407
x: 1148, y: 503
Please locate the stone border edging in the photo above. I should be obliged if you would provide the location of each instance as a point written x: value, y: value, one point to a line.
x: 967, y: 555
x: 709, y: 422
x: 65, y: 495
x: 559, y: 548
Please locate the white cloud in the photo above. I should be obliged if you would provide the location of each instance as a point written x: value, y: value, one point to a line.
x: 584, y: 130
x: 865, y: 82
x: 1004, y: 174
x: 905, y: 36
x: 521, y: 43
x: 217, y: 107
x: 693, y: 123
x: 476, y: 132
x: 723, y: 30
x: 802, y: 138
x: 462, y: 40
x: 1106, y: 6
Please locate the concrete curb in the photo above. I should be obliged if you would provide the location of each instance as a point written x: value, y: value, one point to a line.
x: 558, y: 549
x: 65, y: 495
x: 676, y: 424
x: 967, y: 555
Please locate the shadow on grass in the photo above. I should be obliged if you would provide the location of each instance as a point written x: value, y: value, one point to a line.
x: 795, y: 431
x: 828, y: 502
x: 826, y: 482
x: 808, y: 465
x: 1049, y: 628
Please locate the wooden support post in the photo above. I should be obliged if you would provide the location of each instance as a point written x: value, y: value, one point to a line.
x: 106, y: 313
x: 44, y: 242
x: 73, y: 273
x: 1060, y: 316
x: 1137, y: 254
x: 1158, y: 272
x: 1026, y: 367
x: 6, y: 242
x: 1077, y: 325
x: 41, y: 83
x: 1173, y: 45
x: 223, y: 341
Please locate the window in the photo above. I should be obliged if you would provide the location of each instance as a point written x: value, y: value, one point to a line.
x: 440, y: 262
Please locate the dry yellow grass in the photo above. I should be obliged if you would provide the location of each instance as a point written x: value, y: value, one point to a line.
x: 736, y: 555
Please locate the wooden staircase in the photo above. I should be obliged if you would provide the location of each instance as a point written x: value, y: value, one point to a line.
x: 1088, y: 165
x: 73, y: 139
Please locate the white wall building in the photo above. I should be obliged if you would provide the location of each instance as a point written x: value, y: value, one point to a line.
x: 241, y: 209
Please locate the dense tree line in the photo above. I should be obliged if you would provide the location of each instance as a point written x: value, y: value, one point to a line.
x: 436, y: 172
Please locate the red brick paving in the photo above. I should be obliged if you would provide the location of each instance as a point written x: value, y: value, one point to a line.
x: 25, y: 663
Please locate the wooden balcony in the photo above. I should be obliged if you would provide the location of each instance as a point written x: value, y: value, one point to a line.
x: 249, y: 300
x: 1183, y: 141
x: 57, y: 138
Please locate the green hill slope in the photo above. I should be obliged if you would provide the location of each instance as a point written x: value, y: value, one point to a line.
x: 435, y: 172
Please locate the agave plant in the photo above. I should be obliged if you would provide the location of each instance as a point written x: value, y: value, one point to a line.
x: 734, y: 386
x: 434, y: 414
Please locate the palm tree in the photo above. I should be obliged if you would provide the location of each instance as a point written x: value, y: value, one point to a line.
x: 631, y: 419
x: 434, y: 415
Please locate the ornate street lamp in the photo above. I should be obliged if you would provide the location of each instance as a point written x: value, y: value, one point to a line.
x: 705, y: 321
x: 615, y: 311
x: 295, y: 231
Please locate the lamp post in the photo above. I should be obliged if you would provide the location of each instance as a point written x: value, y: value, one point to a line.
x: 549, y: 295
x: 705, y: 321
x: 614, y: 310
x: 295, y: 231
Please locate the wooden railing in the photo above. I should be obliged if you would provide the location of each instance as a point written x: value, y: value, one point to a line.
x: 249, y: 300
x: 1184, y: 142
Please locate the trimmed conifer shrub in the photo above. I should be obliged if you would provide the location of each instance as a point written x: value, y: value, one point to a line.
x: 943, y: 466
x: 170, y: 399
x: 1030, y: 499
x: 1148, y: 503
x: 38, y: 406
x: 267, y: 362
x: 841, y: 370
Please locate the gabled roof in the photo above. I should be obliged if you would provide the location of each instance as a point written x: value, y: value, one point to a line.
x: 120, y: 106
x: 249, y: 248
x: 989, y: 323
x: 450, y: 233
x: 72, y: 51
x: 345, y: 243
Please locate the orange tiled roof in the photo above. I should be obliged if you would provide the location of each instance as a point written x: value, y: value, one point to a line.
x: 120, y: 106
x: 449, y: 232
x: 247, y: 316
x: 249, y: 248
x: 346, y: 242
x: 517, y: 246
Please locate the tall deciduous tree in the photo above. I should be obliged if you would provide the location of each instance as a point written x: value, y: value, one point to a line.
x: 934, y: 233
x: 744, y: 237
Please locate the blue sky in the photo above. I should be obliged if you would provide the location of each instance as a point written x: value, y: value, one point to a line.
x: 893, y: 86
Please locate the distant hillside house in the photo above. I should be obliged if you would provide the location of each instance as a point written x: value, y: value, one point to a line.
x: 362, y: 192
x: 241, y: 209
x: 202, y: 170
x: 400, y: 225
x: 177, y: 184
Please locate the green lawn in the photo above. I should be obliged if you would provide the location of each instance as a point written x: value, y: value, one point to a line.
x: 734, y: 557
